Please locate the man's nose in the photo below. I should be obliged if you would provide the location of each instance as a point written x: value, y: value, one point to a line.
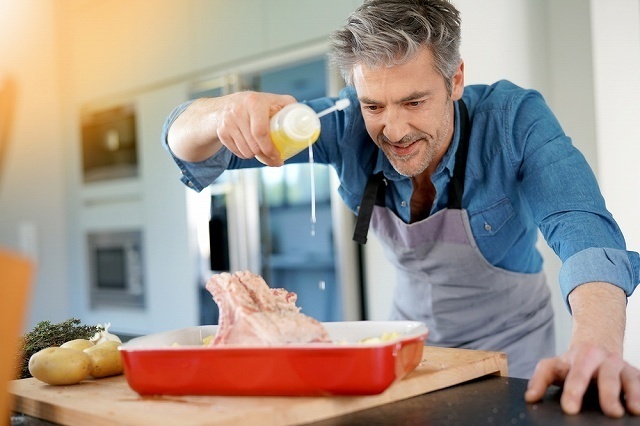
x: 396, y: 125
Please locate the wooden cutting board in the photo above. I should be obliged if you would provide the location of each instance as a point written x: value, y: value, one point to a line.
x: 111, y: 401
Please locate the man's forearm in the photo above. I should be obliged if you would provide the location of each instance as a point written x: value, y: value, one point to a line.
x: 599, y: 315
x: 192, y: 136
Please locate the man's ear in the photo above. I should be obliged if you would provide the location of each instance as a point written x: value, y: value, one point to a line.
x: 457, y: 86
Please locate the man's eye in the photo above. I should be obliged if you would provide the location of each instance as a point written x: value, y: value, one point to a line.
x: 371, y: 108
x: 415, y: 103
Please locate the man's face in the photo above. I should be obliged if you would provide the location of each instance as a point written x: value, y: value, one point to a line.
x: 408, y: 111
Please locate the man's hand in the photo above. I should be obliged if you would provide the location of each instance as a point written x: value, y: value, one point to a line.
x: 595, y: 354
x: 239, y: 121
x: 577, y: 368
x: 243, y: 124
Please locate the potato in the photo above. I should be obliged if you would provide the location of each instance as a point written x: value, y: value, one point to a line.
x: 79, y: 344
x: 105, y: 359
x: 60, y: 366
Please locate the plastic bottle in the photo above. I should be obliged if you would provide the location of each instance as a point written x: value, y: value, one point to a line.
x: 294, y: 128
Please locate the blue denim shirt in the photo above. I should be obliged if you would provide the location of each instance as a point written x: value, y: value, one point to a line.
x: 523, y: 174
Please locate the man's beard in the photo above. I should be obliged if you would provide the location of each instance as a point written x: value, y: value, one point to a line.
x: 421, y: 160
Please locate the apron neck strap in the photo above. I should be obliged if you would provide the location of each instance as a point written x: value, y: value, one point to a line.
x: 374, y: 193
x: 456, y: 186
x: 375, y: 190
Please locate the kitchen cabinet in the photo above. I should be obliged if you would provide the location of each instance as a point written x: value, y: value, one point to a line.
x: 117, y: 46
x: 226, y: 31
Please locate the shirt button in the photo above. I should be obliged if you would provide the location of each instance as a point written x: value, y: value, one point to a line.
x: 403, y: 204
x: 358, y: 208
x: 190, y: 184
x: 487, y: 227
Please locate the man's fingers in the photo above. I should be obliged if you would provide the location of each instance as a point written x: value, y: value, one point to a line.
x: 631, y: 386
x: 547, y: 372
x: 232, y: 138
x: 257, y: 133
x: 577, y: 369
x: 260, y: 134
x: 584, y: 365
x: 243, y: 126
x: 609, y: 386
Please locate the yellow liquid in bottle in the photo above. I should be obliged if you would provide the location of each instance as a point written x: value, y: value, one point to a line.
x: 289, y: 147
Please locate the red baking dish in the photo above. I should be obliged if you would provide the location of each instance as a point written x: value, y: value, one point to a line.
x: 178, y: 363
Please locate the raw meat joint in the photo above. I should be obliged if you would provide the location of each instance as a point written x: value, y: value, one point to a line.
x: 252, y: 313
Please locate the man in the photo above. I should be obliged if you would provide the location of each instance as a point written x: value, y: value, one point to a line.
x: 455, y: 182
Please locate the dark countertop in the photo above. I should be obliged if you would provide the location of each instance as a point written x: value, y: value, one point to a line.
x: 491, y: 400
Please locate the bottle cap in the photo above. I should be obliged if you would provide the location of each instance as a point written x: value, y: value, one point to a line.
x: 300, y: 122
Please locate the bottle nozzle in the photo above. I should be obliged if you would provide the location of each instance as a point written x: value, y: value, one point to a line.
x: 338, y: 106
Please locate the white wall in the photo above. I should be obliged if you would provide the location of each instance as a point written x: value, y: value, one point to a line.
x: 616, y: 64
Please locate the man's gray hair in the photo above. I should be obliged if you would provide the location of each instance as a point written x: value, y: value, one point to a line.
x: 390, y: 32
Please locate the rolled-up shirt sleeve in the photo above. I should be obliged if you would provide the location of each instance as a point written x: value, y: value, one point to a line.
x: 615, y: 266
x: 195, y: 175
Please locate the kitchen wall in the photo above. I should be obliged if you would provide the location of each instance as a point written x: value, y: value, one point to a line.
x: 615, y: 30
x: 69, y: 55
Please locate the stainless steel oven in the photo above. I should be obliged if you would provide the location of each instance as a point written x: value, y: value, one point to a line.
x: 116, y: 269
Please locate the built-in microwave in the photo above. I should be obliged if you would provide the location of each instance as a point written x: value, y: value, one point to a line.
x: 116, y: 269
x: 109, y: 144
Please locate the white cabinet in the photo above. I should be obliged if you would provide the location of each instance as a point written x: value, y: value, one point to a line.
x: 225, y: 31
x: 111, y: 46
x: 119, y: 45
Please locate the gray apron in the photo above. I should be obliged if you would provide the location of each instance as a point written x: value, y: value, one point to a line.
x: 445, y: 282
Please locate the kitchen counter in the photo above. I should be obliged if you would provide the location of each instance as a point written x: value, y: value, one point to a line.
x: 449, y: 386
x: 96, y: 401
x: 490, y: 400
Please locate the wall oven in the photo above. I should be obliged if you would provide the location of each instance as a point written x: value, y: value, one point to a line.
x: 116, y: 269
